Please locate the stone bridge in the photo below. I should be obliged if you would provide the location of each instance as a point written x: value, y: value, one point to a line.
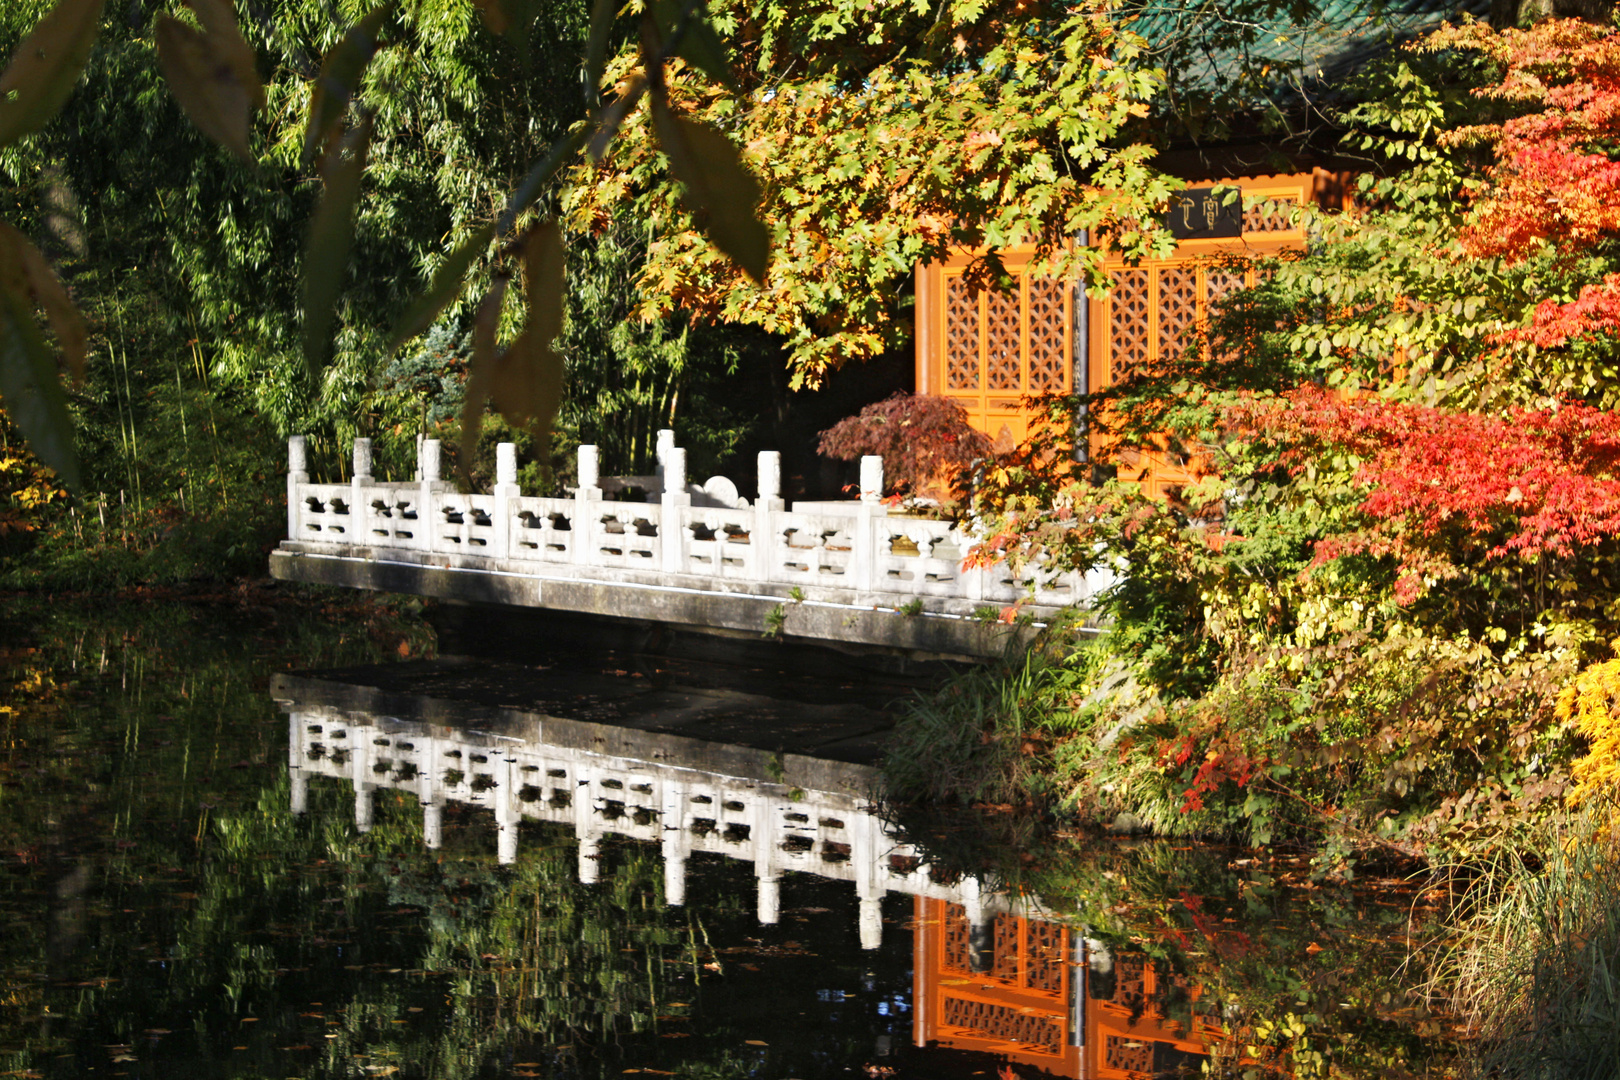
x: 855, y: 573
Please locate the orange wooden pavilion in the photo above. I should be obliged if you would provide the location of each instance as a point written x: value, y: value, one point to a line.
x: 988, y: 350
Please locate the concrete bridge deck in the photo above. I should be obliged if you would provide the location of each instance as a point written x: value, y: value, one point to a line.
x: 851, y: 574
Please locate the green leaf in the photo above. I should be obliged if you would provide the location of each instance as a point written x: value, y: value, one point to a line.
x: 543, y: 270
x: 446, y: 287
x: 534, y: 183
x: 720, y: 193
x: 31, y: 392
x: 526, y: 384
x: 699, y: 45
x: 212, y: 73
x: 527, y: 381
x: 486, y: 323
x: 513, y: 19
x: 331, y: 235
x: 602, y: 14
x: 613, y: 116
x: 46, y: 67
x: 32, y: 277
x: 340, y: 76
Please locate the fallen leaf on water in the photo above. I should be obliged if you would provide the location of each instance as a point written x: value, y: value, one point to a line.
x: 1312, y: 949
x: 756, y: 1042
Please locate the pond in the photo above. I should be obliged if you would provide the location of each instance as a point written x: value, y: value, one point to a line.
x: 254, y: 837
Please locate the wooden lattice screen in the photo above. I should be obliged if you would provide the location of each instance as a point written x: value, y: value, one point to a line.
x: 988, y: 350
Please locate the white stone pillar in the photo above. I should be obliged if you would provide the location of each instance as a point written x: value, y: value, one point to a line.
x: 432, y: 826
x: 864, y: 543
x: 586, y: 829
x: 981, y: 937
x: 297, y: 778
x: 770, y: 900
x: 587, y: 507
x: 871, y: 478
x: 865, y: 833
x: 360, y: 775
x: 675, y: 843
x: 674, y: 501
x: 766, y: 534
x: 506, y: 811
x: 870, y: 921
x: 763, y: 833
x: 428, y: 523
x: 503, y: 517
x: 359, y: 497
x: 661, y: 448
x: 297, y: 476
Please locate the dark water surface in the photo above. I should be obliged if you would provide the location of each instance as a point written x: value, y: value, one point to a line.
x: 255, y: 839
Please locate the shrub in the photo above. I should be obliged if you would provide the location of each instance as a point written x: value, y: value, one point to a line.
x: 927, y: 445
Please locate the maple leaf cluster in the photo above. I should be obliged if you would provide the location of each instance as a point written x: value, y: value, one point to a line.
x: 1443, y: 485
x: 882, y: 138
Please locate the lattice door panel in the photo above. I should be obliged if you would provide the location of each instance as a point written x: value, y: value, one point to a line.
x: 1003, y: 340
x: 1005, y: 1023
x: 962, y: 319
x: 1001, y: 346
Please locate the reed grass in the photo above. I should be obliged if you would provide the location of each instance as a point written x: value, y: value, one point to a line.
x: 1534, y: 962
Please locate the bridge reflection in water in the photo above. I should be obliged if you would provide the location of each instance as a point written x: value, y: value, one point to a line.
x: 994, y: 974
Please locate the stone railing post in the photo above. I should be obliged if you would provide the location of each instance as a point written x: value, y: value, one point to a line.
x: 676, y: 843
x: 586, y: 511
x: 767, y: 874
x: 661, y: 448
x: 671, y: 529
x: 507, y: 814
x: 865, y: 845
x: 297, y: 476
x: 502, y: 515
x: 428, y: 485
x: 427, y: 794
x: 769, y: 503
x: 297, y: 778
x: 359, y: 501
x: 869, y: 512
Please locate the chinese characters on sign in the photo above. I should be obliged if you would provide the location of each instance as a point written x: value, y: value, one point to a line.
x: 1206, y: 214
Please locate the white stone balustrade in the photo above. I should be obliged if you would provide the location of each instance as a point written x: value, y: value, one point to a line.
x: 695, y: 537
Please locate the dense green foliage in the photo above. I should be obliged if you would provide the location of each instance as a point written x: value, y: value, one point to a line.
x: 1354, y: 625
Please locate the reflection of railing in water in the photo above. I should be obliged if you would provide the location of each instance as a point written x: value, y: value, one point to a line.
x: 993, y: 973
x: 832, y: 834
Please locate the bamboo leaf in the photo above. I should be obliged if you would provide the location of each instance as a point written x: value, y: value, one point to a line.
x: 46, y: 66
x: 340, y: 76
x: 486, y: 323
x: 720, y: 193
x: 32, y: 276
x: 446, y: 286
x: 513, y: 19
x: 331, y: 235
x: 534, y: 183
x: 212, y: 73
x: 29, y: 388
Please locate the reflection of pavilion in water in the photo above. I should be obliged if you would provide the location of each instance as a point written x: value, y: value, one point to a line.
x: 993, y: 974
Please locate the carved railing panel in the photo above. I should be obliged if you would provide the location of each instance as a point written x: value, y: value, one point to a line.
x: 870, y: 556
